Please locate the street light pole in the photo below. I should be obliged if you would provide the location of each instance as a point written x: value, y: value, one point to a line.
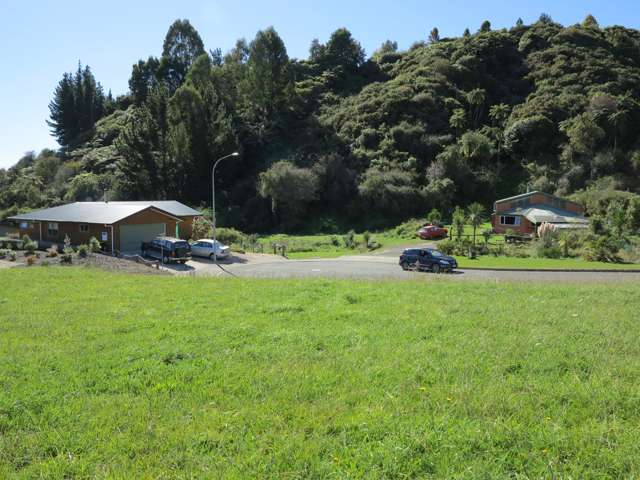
x: 213, y: 201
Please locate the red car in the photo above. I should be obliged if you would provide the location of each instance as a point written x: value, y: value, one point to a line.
x: 429, y: 232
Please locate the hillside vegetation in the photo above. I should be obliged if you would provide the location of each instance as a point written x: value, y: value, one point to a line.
x: 342, y: 136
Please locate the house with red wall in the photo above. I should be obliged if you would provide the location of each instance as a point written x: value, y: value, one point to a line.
x: 524, y: 213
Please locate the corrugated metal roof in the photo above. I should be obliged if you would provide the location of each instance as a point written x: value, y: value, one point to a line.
x: 543, y: 213
x: 170, y: 206
x: 102, y: 212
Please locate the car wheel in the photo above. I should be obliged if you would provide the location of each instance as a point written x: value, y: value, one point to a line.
x: 436, y: 269
x: 165, y: 259
x: 404, y: 266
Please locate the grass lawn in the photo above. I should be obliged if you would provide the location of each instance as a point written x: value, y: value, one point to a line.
x: 507, y: 263
x: 107, y: 375
x: 320, y: 246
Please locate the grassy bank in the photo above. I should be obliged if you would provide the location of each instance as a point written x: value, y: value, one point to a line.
x: 109, y: 375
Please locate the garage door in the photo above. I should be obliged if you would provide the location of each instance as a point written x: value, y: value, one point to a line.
x: 131, y: 236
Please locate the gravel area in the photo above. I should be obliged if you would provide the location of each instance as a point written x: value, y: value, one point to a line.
x: 104, y: 262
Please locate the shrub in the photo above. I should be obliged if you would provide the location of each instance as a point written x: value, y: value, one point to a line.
x: 31, y: 260
x: 12, y: 256
x: 229, y: 236
x: 201, y: 228
x: 447, y: 247
x: 602, y: 249
x: 334, y: 241
x: 28, y: 245
x: 548, y: 251
x: 366, y: 236
x: 94, y: 245
x: 4, y: 253
x: 350, y: 239
x: 68, y: 251
x: 52, y: 252
x: 83, y: 250
x: 434, y: 217
x: 409, y: 228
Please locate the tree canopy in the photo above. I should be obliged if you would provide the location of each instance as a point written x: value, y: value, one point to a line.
x: 450, y: 121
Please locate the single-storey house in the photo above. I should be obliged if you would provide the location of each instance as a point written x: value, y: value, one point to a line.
x: 524, y: 213
x: 119, y: 226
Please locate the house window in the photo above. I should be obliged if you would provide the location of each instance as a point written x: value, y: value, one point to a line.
x: 52, y: 229
x: 24, y: 225
x: 84, y: 228
x: 510, y: 220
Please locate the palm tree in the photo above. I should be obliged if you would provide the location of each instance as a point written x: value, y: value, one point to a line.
x: 475, y: 216
x: 457, y: 221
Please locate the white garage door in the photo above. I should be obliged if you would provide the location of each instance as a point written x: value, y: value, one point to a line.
x: 131, y: 236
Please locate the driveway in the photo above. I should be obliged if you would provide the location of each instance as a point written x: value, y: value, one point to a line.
x: 203, y: 267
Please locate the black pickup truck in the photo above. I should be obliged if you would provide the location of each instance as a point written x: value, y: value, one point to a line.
x: 167, y: 250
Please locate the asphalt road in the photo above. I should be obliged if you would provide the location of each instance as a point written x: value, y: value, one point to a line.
x: 379, y: 268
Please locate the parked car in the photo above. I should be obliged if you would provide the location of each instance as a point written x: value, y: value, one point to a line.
x: 205, y: 248
x: 430, y: 232
x: 427, y: 259
x: 168, y: 250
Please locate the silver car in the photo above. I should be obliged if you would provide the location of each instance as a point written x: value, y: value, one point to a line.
x: 205, y: 248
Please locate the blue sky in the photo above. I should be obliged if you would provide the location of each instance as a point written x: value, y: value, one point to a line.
x: 43, y: 39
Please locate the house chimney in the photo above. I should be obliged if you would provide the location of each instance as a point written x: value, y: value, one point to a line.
x: 106, y: 196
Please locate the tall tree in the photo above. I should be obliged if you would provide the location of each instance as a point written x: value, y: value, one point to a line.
x: 78, y: 103
x: 268, y: 83
x: 143, y: 78
x: 182, y: 45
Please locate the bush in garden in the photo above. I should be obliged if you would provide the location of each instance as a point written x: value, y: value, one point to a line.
x: 229, y: 236
x: 12, y: 256
x: 201, y: 228
x: 335, y: 241
x: 350, y: 239
x: 366, y: 236
x: 83, y: 250
x: 52, y: 252
x: 602, y: 249
x: 67, y: 257
x: 31, y: 259
x: 94, y: 245
x: 28, y: 245
x: 447, y: 247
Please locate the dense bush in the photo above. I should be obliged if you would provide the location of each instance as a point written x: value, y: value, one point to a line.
x: 229, y: 236
x: 94, y: 245
x: 83, y: 250
x: 602, y: 249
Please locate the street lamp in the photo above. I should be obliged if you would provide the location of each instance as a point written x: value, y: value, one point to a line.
x: 213, y: 203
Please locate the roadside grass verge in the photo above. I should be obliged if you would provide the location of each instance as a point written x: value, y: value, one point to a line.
x: 108, y: 375
x: 510, y: 263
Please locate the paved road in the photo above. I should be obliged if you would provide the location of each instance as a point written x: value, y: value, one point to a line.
x: 377, y: 268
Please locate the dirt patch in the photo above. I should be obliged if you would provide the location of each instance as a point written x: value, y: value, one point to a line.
x: 104, y: 262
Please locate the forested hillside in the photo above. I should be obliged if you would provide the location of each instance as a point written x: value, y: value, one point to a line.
x: 347, y: 138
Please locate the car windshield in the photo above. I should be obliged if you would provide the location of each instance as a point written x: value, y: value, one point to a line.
x: 436, y: 253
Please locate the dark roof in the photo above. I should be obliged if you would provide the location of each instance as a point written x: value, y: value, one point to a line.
x: 170, y: 206
x: 100, y: 212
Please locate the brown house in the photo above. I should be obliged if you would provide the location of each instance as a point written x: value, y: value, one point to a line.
x: 119, y: 226
x: 524, y: 213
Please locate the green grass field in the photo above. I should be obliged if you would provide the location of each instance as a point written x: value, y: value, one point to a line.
x: 107, y: 375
